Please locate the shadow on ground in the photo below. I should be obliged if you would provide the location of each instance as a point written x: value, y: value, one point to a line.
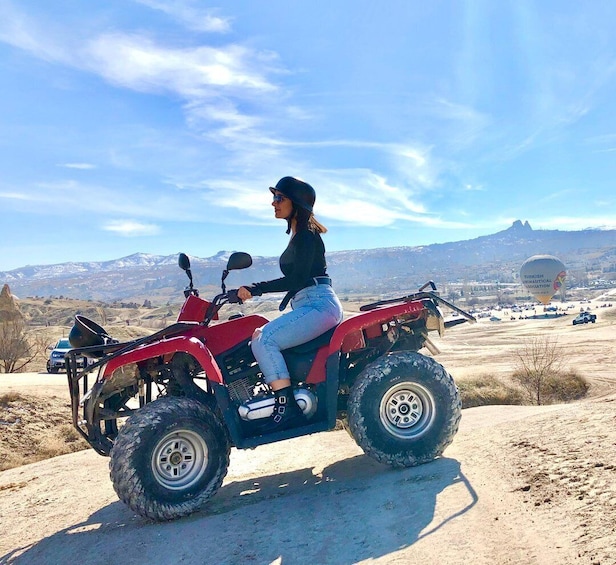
x: 355, y: 510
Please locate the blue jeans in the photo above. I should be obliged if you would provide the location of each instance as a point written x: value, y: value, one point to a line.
x: 316, y: 309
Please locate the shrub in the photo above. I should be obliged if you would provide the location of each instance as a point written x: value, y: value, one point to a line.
x: 565, y: 387
x: 538, y: 361
x: 8, y: 397
x: 69, y: 434
x: 485, y: 390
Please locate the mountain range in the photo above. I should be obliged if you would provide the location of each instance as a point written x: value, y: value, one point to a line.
x: 491, y: 258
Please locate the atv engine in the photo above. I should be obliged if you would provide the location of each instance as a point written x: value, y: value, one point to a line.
x: 255, y: 399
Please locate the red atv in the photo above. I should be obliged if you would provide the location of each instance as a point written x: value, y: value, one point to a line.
x: 168, y: 407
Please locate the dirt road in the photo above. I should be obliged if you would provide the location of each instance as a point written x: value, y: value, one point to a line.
x: 319, y: 500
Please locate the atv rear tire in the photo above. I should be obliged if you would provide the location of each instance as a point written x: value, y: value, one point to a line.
x: 404, y: 409
x: 169, y: 458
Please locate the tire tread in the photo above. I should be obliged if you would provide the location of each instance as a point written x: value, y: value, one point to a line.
x: 381, y: 369
x: 126, y: 480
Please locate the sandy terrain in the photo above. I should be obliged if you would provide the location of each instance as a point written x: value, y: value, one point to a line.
x: 519, y: 485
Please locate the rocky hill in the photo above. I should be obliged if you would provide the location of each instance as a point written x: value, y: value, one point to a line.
x: 492, y: 258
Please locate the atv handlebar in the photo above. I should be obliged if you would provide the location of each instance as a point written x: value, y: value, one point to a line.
x: 232, y: 297
x: 228, y: 297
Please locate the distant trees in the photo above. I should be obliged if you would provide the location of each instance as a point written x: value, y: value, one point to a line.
x: 17, y: 348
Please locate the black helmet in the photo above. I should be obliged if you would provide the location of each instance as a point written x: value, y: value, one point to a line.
x: 86, y: 333
x: 298, y: 191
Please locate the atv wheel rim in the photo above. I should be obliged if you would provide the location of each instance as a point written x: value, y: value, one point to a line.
x: 179, y: 459
x: 407, y: 410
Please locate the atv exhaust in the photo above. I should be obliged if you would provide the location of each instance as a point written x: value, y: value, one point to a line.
x: 262, y: 407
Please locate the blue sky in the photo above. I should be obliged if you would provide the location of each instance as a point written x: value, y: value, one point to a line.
x: 157, y: 126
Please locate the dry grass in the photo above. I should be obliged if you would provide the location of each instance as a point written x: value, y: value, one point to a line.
x: 565, y: 387
x: 33, y: 428
x: 8, y: 397
x: 484, y: 390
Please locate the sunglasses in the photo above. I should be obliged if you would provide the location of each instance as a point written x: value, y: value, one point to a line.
x: 279, y: 198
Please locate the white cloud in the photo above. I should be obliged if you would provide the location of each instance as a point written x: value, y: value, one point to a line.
x: 20, y: 30
x: 16, y: 196
x: 190, y: 15
x: 232, y: 124
x: 230, y: 99
x: 82, y: 166
x: 573, y: 223
x: 68, y: 198
x: 356, y: 197
x: 211, y: 82
x: 131, y: 228
x: 137, y: 62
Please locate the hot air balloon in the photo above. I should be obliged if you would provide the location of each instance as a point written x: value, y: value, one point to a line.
x: 543, y: 276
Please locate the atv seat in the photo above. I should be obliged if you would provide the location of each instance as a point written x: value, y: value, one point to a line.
x: 313, y: 344
x: 299, y: 359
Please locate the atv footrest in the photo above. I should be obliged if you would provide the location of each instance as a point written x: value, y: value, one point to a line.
x: 250, y: 442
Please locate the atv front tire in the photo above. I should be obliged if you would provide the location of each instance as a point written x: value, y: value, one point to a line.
x: 169, y: 458
x: 404, y: 409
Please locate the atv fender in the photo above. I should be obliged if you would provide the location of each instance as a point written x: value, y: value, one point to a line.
x: 167, y: 347
x: 349, y: 335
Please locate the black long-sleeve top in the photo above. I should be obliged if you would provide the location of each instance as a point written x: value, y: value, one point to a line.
x: 303, y: 259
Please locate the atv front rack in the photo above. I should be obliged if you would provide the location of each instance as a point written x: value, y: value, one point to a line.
x: 104, y: 354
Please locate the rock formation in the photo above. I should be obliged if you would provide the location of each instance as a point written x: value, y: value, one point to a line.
x: 9, y: 312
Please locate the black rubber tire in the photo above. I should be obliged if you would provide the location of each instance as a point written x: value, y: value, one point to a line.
x: 404, y: 409
x: 53, y: 370
x: 169, y: 458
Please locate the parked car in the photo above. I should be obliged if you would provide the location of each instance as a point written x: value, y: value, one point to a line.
x: 56, y: 359
x: 584, y: 318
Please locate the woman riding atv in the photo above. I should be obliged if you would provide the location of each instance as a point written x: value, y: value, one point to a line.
x: 315, y: 306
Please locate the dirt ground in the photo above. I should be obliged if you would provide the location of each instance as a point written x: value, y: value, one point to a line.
x: 519, y: 484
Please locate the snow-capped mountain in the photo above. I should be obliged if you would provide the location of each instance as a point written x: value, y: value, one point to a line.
x: 491, y: 258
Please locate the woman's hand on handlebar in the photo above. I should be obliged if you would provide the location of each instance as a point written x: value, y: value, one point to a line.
x: 243, y: 294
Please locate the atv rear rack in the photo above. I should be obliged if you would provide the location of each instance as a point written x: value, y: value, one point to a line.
x: 422, y: 295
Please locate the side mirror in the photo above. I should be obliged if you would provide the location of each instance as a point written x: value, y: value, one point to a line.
x: 184, y: 262
x: 239, y: 260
